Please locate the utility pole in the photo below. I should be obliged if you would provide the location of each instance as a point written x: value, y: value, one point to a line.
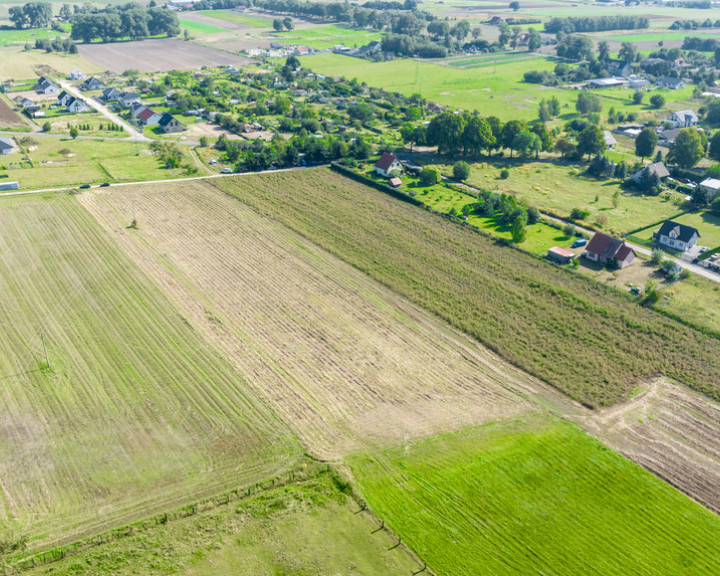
x: 47, y: 359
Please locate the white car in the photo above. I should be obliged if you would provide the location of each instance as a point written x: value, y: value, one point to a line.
x: 213, y: 161
x: 226, y: 171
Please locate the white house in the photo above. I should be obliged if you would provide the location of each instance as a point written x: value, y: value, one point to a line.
x: 64, y: 98
x: 76, y: 105
x: 609, y: 140
x: 682, y: 119
x: 711, y: 186
x: 671, y: 83
x: 45, y: 86
x: 676, y: 236
x: 127, y: 98
x: 386, y: 164
x: 77, y: 74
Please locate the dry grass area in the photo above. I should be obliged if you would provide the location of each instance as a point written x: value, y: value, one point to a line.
x: 346, y: 362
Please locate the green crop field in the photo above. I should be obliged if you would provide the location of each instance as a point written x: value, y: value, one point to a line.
x: 136, y: 414
x: 252, y: 21
x: 585, y: 339
x: 202, y: 27
x: 278, y: 531
x: 324, y: 37
x: 496, y: 90
x: 61, y: 162
x: 561, y: 186
x: 535, y: 496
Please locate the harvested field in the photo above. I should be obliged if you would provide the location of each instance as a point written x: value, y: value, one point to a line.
x: 136, y: 414
x: 156, y: 56
x: 346, y: 362
x: 7, y: 116
x: 23, y: 64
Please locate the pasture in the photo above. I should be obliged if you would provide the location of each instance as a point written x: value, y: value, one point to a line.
x: 345, y: 361
x: 135, y: 413
x: 9, y: 37
x: 308, y: 522
x: 59, y: 162
x: 322, y: 37
x: 156, y: 55
x: 201, y: 27
x: 589, y: 341
x: 239, y: 18
x: 535, y: 496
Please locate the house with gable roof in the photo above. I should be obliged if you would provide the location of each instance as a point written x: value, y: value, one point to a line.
x: 676, y: 236
x: 606, y: 250
x: 386, y: 164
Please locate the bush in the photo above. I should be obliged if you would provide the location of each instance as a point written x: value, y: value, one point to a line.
x: 656, y: 256
x: 569, y: 230
x: 429, y: 176
x: 46, y: 127
x: 504, y: 174
x: 461, y: 170
x: 657, y: 101
x: 579, y: 214
x: 533, y: 215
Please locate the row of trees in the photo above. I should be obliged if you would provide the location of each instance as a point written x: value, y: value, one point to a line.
x: 124, y: 21
x: 31, y: 15
x: 595, y: 24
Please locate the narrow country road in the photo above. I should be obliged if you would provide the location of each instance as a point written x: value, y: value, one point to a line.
x: 135, y: 136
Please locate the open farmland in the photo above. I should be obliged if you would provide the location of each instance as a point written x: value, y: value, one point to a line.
x: 535, y: 496
x: 589, y: 341
x: 136, y: 414
x: 156, y: 56
x: 309, y: 522
x: 21, y: 64
x: 346, y: 362
x: 323, y: 37
x: 7, y: 116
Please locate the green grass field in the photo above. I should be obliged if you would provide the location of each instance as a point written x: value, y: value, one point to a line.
x: 588, y: 340
x: 561, y: 186
x: 706, y: 223
x: 535, y: 496
x: 137, y: 414
x: 8, y: 37
x: 252, y: 21
x: 306, y: 525
x: 202, y: 27
x: 655, y: 36
x: 695, y: 299
x: 92, y: 162
x: 324, y: 37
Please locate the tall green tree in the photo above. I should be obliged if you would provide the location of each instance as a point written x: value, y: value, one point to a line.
x: 590, y: 141
x: 628, y: 52
x: 646, y: 142
x: 446, y: 132
x: 687, y: 149
x: 31, y: 15
x: 477, y: 136
x: 534, y: 42
x: 588, y: 103
x: 714, y: 152
x: 510, y: 131
x: 603, y: 51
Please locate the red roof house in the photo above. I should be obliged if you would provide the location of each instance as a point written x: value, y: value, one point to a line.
x: 386, y: 164
x: 149, y: 117
x: 606, y: 250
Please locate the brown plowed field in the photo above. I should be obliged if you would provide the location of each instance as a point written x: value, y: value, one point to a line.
x: 7, y: 116
x: 342, y: 359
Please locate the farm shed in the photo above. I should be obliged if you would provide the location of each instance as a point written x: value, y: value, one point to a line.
x: 395, y: 182
x: 560, y: 255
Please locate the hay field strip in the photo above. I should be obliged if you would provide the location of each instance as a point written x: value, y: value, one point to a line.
x: 136, y: 415
x: 346, y: 362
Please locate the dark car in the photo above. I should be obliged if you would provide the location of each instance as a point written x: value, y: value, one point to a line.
x: 84, y: 186
x: 578, y: 243
x: 104, y: 184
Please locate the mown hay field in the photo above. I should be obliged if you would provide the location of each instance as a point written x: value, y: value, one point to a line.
x: 136, y: 414
x: 345, y: 361
x: 587, y: 340
x: 535, y: 496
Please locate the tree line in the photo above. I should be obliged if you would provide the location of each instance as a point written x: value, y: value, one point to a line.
x: 123, y: 21
x: 31, y: 15
x: 595, y: 24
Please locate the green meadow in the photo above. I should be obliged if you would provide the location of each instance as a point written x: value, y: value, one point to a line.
x: 324, y: 37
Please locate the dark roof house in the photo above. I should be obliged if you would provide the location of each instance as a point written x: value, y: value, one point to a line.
x: 677, y: 236
x: 168, y: 123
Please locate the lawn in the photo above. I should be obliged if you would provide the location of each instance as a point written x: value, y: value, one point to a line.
x: 62, y: 123
x: 561, y: 186
x: 706, y: 223
x: 309, y: 522
x: 588, y: 340
x: 62, y: 162
x: 136, y: 414
x: 253, y: 21
x: 202, y: 27
x: 695, y: 299
x: 657, y: 36
x: 17, y: 63
x: 324, y: 37
x: 531, y: 497
x: 8, y: 37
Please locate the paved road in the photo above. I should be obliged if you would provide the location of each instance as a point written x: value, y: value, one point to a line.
x: 135, y: 136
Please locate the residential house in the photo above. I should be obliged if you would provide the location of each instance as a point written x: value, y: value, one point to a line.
x: 168, y: 123
x: 679, y: 63
x: 682, y: 119
x: 6, y: 146
x: 111, y: 94
x: 93, y: 83
x: 45, y: 86
x: 711, y: 186
x: 127, y: 98
x: 676, y: 236
x: 148, y: 117
x: 638, y: 83
x: 671, y: 83
x: 606, y: 250
x: 495, y: 20
x: 560, y: 255
x: 658, y: 168
x: 77, y: 74
x: 76, y: 105
x: 26, y: 102
x: 609, y: 140
x: 667, y: 137
x: 64, y: 97
x: 619, y: 68
x: 371, y: 48
x: 387, y: 164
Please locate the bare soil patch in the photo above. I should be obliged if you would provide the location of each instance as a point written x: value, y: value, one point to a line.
x: 210, y: 130
x: 7, y: 116
x: 342, y: 359
x: 157, y: 56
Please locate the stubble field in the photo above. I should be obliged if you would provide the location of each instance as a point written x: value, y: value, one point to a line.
x: 136, y: 414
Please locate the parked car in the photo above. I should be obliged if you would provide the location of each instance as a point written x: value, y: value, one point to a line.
x: 578, y: 243
x: 104, y: 184
x: 226, y: 171
x: 84, y: 186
